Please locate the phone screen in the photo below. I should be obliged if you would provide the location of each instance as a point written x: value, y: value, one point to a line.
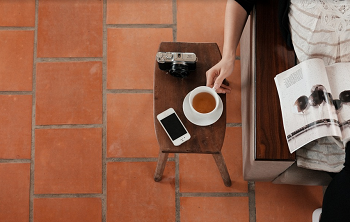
x: 173, y: 126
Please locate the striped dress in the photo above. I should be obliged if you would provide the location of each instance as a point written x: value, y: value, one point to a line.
x: 321, y: 29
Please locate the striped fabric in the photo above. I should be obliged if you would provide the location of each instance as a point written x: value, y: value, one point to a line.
x: 321, y: 29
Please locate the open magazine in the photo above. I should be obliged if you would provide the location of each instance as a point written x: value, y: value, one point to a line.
x: 315, y: 102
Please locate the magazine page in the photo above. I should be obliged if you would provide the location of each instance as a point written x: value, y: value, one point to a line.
x: 307, y: 109
x: 339, y: 80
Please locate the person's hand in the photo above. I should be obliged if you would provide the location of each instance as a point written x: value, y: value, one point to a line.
x: 217, y: 74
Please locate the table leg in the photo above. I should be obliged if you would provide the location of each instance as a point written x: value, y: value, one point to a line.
x: 162, y: 159
x: 220, y: 162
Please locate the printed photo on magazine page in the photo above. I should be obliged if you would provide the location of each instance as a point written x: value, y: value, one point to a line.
x: 313, y: 102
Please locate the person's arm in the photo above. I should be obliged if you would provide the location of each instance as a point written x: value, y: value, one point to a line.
x: 235, y: 19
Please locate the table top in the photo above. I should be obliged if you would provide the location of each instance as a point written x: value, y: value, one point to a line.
x: 170, y: 91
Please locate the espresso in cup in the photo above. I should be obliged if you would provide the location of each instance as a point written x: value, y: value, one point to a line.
x: 204, y: 102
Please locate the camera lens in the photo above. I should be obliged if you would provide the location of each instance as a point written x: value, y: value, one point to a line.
x: 179, y: 70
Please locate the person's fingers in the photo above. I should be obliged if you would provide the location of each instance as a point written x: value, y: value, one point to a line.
x: 217, y: 74
x: 225, y: 86
x: 223, y: 90
x: 218, y: 81
x: 211, y: 74
x: 225, y: 82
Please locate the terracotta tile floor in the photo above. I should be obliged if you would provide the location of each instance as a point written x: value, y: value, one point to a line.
x: 77, y: 139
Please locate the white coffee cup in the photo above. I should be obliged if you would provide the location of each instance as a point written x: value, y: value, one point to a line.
x: 202, y: 104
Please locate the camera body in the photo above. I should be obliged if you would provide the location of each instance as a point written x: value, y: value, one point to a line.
x: 177, y: 64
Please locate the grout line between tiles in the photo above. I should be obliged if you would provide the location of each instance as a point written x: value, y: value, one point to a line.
x: 136, y: 159
x: 104, y: 115
x: 32, y: 165
x: 69, y: 126
x: 233, y: 124
x: 209, y: 194
x: 174, y: 3
x: 116, y: 91
x: 70, y: 59
x: 251, y: 195
x: 76, y: 195
x: 177, y: 189
x: 15, y: 160
x: 16, y: 93
x: 140, y: 26
x: 13, y: 28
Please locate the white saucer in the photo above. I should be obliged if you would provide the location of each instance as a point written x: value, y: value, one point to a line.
x: 212, y: 118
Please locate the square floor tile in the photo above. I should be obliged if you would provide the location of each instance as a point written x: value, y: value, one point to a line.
x: 14, y: 192
x: 133, y: 195
x: 69, y: 93
x: 201, y: 21
x: 130, y: 126
x: 68, y: 209
x: 213, y: 209
x: 16, y: 126
x: 139, y: 12
x: 199, y: 173
x: 131, y: 56
x: 68, y: 161
x: 70, y: 28
x: 233, y: 102
x: 17, y: 13
x: 286, y: 202
x: 16, y: 60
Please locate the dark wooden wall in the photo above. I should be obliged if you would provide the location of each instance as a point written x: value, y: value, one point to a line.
x: 272, y: 57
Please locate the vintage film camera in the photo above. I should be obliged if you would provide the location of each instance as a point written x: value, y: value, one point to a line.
x: 177, y: 64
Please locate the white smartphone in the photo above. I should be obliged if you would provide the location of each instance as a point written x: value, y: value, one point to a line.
x: 173, y: 126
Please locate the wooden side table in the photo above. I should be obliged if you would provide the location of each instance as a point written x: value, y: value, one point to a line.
x: 170, y: 91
